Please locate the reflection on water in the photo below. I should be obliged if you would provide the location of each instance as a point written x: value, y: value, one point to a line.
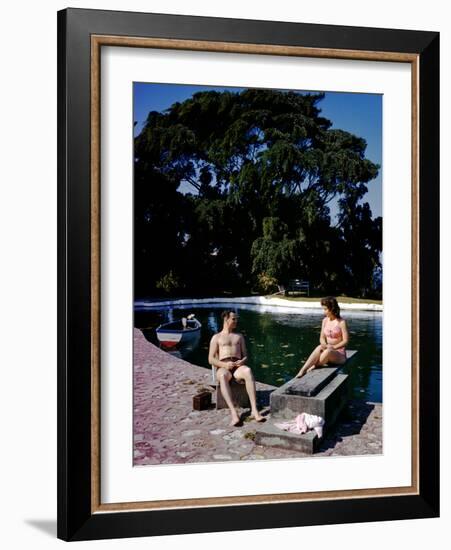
x: 279, y: 340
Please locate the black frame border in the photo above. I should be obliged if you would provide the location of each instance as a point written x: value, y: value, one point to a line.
x: 75, y: 520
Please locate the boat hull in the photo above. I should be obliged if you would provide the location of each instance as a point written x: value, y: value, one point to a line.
x: 171, y: 335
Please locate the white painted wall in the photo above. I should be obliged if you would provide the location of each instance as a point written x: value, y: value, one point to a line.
x: 28, y: 269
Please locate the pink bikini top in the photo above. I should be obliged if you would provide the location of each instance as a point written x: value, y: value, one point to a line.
x: 332, y: 331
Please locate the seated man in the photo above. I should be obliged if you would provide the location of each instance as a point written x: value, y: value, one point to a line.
x: 228, y: 354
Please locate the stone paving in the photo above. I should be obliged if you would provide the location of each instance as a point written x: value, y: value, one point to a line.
x: 168, y: 431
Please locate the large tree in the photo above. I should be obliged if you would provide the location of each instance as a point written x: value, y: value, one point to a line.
x: 223, y: 177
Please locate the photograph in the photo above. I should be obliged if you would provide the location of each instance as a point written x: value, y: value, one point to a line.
x: 257, y: 274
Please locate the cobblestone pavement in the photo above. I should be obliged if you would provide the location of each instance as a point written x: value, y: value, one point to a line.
x: 168, y: 431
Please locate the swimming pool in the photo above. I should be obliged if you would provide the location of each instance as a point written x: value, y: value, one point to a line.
x: 279, y: 340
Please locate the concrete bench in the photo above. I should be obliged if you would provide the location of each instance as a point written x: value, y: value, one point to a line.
x: 270, y: 436
x: 240, y: 397
x: 322, y: 391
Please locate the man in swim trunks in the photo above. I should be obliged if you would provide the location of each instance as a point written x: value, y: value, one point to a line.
x: 228, y: 354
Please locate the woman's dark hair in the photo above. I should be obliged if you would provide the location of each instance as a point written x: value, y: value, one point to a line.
x: 331, y: 303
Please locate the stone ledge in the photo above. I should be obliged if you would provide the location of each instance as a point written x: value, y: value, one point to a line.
x: 311, y: 383
x: 327, y: 403
x: 270, y: 436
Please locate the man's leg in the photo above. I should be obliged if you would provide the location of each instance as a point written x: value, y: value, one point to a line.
x: 224, y: 377
x: 245, y: 373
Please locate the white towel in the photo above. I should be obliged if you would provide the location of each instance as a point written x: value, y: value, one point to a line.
x: 302, y: 423
x: 314, y: 423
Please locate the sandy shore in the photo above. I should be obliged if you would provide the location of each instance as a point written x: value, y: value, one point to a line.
x: 167, y: 430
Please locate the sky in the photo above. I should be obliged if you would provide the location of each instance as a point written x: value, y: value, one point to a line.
x: 360, y: 114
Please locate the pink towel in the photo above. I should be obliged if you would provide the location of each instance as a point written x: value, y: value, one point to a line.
x: 302, y: 423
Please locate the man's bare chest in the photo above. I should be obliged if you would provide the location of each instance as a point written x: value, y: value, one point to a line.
x: 229, y: 340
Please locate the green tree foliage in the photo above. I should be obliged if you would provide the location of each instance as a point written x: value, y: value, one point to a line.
x: 266, y: 284
x: 233, y: 187
x: 169, y: 283
x: 275, y: 254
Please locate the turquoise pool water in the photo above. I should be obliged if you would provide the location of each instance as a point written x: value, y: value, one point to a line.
x: 279, y: 341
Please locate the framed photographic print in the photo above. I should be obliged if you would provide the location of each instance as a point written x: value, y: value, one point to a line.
x: 248, y: 274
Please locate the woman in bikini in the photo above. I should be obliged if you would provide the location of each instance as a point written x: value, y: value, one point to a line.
x: 333, y: 339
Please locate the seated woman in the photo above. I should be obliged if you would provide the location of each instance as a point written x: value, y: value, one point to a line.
x: 333, y: 339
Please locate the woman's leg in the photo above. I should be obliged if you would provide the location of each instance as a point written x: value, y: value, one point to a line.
x: 331, y: 356
x: 311, y: 361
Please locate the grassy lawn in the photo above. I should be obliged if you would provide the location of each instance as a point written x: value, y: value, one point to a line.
x: 340, y: 299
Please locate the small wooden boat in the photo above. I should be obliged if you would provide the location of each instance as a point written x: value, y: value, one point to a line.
x: 185, y: 331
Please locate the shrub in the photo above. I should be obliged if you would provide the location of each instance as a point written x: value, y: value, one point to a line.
x: 266, y: 283
x: 169, y: 283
